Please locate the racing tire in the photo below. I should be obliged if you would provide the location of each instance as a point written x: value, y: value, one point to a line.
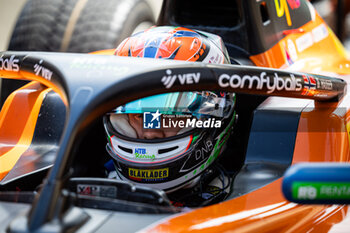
x: 80, y: 26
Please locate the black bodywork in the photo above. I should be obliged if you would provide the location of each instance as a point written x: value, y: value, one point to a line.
x: 247, y: 27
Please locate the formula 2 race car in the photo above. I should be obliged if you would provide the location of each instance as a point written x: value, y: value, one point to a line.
x: 296, y: 110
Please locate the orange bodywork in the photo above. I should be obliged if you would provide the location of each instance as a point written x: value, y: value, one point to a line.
x: 17, y: 123
x: 18, y: 120
x: 264, y: 210
x: 322, y: 51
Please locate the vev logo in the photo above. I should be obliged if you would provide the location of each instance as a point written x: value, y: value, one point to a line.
x: 42, y: 71
x: 271, y: 84
x: 189, y: 78
x: 151, y: 120
x: 9, y: 64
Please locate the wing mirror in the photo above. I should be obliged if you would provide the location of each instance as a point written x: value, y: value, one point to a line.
x: 317, y: 183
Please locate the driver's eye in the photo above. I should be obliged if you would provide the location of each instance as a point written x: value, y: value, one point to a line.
x: 138, y: 116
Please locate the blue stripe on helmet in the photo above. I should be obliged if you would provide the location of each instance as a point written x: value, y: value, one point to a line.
x: 151, y: 47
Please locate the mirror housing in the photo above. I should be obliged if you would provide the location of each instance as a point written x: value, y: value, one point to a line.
x: 317, y: 183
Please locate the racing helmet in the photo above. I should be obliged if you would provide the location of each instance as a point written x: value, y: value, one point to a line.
x: 167, y: 141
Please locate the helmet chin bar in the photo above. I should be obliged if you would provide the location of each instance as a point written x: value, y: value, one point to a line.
x: 138, y: 152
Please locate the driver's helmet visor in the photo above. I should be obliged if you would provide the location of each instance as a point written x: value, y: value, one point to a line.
x: 132, y: 118
x: 198, y: 104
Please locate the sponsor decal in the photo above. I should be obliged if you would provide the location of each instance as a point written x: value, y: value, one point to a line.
x: 152, y: 120
x: 288, y: 57
x: 309, y: 85
x: 88, y: 63
x: 99, y: 64
x: 200, y: 52
x: 319, y: 33
x: 149, y: 174
x: 190, y: 78
x: 321, y: 190
x: 270, y: 83
x: 210, y: 192
x: 306, y: 192
x: 283, y: 9
x: 216, y: 59
x: 97, y: 190
x: 9, y: 64
x: 219, y: 143
x: 198, y: 156
x: 325, y: 84
x: 294, y: 4
x: 141, y: 153
x: 303, y: 42
x: 39, y: 70
x: 292, y: 51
